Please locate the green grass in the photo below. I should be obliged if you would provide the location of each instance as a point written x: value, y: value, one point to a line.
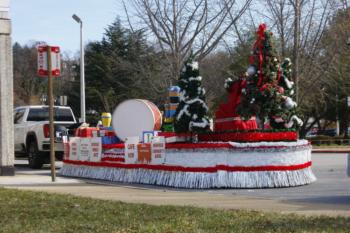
x: 26, y: 211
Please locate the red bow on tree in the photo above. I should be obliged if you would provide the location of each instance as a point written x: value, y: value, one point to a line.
x: 261, y: 31
x: 259, y: 45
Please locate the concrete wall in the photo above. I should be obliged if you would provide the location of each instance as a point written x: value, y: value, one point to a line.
x: 6, y: 93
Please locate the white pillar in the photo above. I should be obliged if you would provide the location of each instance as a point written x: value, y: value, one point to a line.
x: 6, y: 93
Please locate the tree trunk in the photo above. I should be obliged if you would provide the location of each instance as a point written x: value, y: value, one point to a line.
x: 297, y: 12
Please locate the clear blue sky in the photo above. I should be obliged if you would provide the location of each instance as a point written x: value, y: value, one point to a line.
x: 51, y: 21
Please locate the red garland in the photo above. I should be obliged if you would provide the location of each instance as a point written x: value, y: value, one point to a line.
x: 249, y: 136
x: 173, y: 134
x: 197, y: 145
x: 193, y: 169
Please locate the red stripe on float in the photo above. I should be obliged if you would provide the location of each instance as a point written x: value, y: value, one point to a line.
x: 113, y: 159
x: 192, y: 169
x: 113, y: 146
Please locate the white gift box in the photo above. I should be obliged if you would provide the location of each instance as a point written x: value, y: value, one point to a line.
x: 85, y: 151
x: 96, y: 149
x: 131, y: 149
x: 158, y: 150
x: 74, y: 148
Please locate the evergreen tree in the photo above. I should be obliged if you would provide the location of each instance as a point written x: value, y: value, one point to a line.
x: 191, y: 114
x: 269, y: 91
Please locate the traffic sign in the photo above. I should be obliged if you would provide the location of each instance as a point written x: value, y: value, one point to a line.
x: 55, y: 61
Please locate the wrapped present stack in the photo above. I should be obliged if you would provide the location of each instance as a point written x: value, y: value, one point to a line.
x: 103, y: 131
x: 170, y: 108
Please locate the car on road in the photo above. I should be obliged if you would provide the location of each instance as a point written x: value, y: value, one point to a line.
x: 327, y: 132
x: 32, y: 132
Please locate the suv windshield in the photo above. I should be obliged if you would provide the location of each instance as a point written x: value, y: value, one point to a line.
x: 42, y: 114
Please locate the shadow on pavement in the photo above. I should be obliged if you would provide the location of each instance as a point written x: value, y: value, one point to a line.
x: 342, y: 202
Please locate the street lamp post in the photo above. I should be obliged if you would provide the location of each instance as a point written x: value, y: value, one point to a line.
x: 82, y: 71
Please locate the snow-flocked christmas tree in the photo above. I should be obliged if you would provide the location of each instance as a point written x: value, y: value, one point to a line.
x: 269, y: 91
x: 191, y: 113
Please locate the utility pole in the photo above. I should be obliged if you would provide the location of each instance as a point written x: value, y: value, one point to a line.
x: 51, y: 114
x: 6, y: 93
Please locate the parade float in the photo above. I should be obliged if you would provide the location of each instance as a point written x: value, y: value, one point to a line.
x: 253, y: 143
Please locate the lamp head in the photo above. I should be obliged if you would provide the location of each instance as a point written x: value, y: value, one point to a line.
x: 76, y: 18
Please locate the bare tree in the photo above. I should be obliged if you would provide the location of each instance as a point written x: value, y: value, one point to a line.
x: 182, y: 26
x: 296, y: 42
x: 280, y: 15
x: 27, y: 86
x: 300, y: 25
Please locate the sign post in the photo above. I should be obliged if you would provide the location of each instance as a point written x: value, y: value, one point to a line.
x: 50, y: 95
x: 49, y: 66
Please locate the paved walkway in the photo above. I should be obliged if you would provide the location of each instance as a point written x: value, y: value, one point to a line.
x: 331, y: 150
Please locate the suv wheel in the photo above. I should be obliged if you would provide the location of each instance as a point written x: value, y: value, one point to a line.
x: 34, y: 158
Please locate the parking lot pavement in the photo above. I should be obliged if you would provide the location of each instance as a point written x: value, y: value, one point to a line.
x: 329, y: 195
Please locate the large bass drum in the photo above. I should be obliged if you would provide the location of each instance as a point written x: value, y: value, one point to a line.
x: 133, y: 117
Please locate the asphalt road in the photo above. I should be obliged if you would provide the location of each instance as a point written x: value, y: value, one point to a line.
x: 330, y: 194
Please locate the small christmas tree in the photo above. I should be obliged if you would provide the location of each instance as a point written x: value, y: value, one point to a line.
x: 191, y: 113
x: 269, y: 91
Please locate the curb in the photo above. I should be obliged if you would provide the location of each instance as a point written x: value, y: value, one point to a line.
x: 330, y: 151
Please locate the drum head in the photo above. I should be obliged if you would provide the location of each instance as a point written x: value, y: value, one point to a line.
x: 133, y: 117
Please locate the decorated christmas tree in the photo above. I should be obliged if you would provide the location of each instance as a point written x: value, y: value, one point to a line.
x: 269, y: 92
x: 191, y: 113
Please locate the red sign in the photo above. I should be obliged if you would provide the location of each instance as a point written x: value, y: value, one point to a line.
x: 55, y: 61
x: 144, y: 153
